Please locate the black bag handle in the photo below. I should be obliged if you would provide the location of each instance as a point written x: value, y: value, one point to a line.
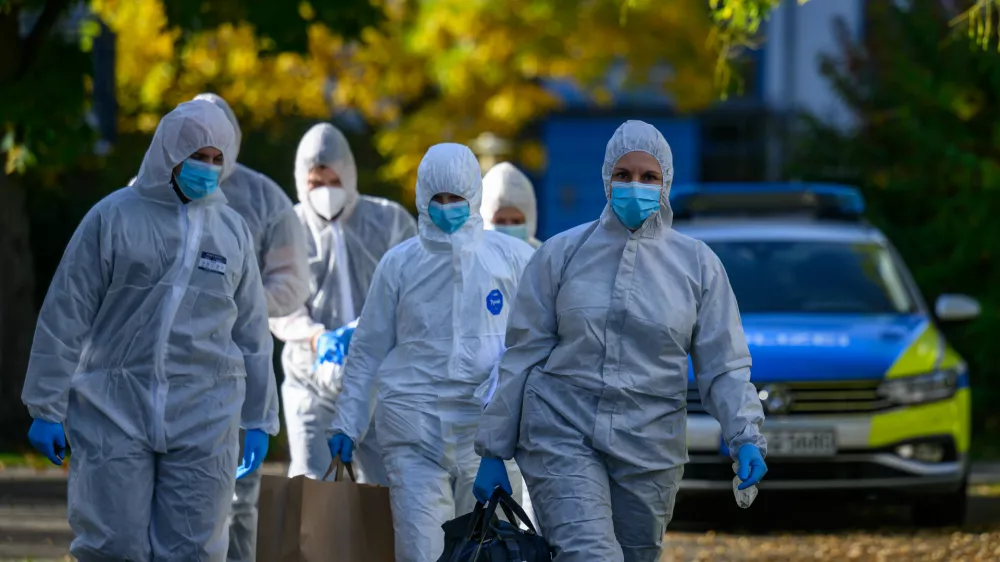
x: 481, y: 515
x: 480, y: 522
x: 486, y: 514
x: 338, y: 466
x: 474, y: 521
x: 511, y: 508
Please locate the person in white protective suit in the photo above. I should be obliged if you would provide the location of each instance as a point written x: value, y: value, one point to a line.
x: 346, y: 234
x: 592, y: 387
x: 509, y: 204
x: 152, y: 350
x: 510, y: 207
x: 281, y: 254
x: 429, y: 336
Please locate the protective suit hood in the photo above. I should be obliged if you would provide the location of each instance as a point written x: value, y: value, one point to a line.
x: 159, y: 318
x: 238, y: 134
x: 592, y: 385
x: 640, y: 136
x: 431, y: 331
x: 325, y: 145
x: 449, y: 168
x: 190, y: 126
x: 506, y: 186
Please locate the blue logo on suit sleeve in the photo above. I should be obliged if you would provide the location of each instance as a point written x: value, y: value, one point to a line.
x: 494, y: 302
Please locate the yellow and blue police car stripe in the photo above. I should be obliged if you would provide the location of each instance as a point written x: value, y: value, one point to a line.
x: 927, y: 352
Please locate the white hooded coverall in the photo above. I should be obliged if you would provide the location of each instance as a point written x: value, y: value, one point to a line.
x: 430, y: 333
x: 281, y: 254
x: 152, y: 348
x: 343, y: 255
x: 506, y: 186
x: 592, y: 387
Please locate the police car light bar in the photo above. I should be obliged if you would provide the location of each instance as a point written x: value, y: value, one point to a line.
x: 818, y: 200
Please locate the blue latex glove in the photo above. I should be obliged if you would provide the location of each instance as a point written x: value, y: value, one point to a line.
x: 332, y: 347
x: 342, y: 446
x: 751, y: 466
x: 492, y: 474
x: 254, y: 451
x: 49, y: 438
x: 344, y: 334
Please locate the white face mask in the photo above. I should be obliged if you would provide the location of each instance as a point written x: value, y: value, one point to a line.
x: 327, y: 201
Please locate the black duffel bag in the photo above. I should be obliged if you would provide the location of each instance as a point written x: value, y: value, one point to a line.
x: 481, y: 536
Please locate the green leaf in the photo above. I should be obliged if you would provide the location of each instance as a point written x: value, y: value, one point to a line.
x: 282, y: 22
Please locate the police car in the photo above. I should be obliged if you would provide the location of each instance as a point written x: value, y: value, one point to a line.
x: 861, y: 390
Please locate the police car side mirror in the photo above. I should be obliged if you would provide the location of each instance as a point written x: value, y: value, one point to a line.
x: 956, y: 308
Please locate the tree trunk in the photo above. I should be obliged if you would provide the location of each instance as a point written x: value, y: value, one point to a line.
x: 17, y: 310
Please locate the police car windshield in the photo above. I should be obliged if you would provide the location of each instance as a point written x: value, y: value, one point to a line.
x: 814, y: 277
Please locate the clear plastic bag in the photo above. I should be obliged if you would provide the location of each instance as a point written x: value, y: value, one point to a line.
x: 743, y: 497
x: 329, y: 378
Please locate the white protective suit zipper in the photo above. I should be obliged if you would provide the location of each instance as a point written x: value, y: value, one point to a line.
x: 188, y: 253
x: 458, y: 281
x: 607, y: 406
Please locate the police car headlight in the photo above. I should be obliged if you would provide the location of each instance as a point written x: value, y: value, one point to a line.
x: 919, y: 389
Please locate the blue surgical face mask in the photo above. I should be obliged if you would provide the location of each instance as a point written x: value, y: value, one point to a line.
x: 198, y: 179
x: 519, y: 231
x: 449, y: 217
x: 634, y: 202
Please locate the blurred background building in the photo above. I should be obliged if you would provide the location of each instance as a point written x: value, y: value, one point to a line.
x: 744, y: 138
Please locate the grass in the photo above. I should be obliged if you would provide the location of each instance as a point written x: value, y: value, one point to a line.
x: 26, y: 460
x: 65, y: 559
x: 985, y: 490
x: 984, y: 448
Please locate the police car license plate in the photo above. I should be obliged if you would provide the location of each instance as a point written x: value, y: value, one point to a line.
x: 801, y: 443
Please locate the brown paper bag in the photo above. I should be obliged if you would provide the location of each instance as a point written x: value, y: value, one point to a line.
x: 305, y: 520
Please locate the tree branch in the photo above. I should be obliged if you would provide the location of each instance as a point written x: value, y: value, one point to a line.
x: 32, y: 44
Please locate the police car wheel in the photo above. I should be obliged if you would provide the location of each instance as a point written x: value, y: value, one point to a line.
x: 945, y: 510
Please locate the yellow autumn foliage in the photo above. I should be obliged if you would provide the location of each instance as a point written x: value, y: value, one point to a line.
x: 433, y: 70
x: 157, y: 67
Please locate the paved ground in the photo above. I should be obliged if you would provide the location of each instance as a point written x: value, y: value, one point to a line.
x: 801, y: 529
x: 33, y: 527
